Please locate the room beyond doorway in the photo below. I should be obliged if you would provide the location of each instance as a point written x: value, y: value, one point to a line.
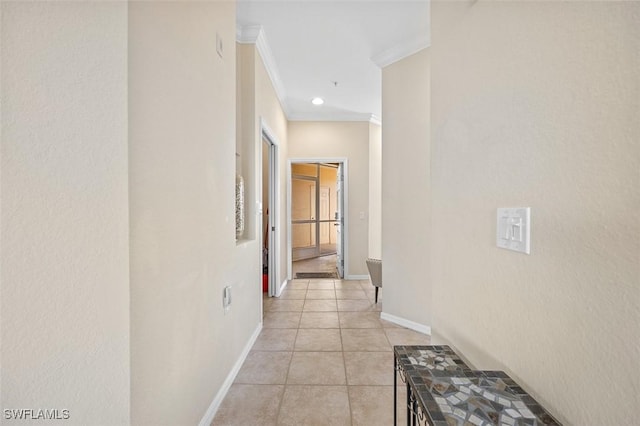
x: 316, y: 210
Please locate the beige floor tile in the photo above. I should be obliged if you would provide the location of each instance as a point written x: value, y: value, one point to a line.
x: 297, y: 285
x: 369, y: 368
x: 360, y: 320
x: 281, y: 319
x: 389, y: 324
x: 319, y: 320
x: 351, y: 294
x: 250, y: 405
x: 347, y: 285
x: 316, y: 368
x: 293, y: 294
x: 371, y: 405
x: 264, y: 368
x: 321, y: 294
x: 364, y: 305
x: 403, y: 336
x: 315, y: 406
x: 319, y: 306
x: 365, y: 283
x: 311, y: 339
x: 276, y: 339
x: 279, y: 305
x: 321, y: 285
x: 365, y: 340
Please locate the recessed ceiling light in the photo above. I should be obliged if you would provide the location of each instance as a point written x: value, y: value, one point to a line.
x: 317, y: 101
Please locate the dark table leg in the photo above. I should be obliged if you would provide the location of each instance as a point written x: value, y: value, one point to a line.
x: 395, y: 390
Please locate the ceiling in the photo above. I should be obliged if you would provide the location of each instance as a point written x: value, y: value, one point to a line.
x: 333, y: 50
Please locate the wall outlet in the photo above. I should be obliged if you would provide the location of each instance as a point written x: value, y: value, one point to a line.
x: 226, y: 298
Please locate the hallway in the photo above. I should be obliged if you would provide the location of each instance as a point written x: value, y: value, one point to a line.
x: 324, y: 357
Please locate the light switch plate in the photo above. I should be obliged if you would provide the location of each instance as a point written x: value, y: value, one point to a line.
x: 513, y: 229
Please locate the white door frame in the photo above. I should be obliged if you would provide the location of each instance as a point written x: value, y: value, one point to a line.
x: 345, y: 213
x: 274, y: 212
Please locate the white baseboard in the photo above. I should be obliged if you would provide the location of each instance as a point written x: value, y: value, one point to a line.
x: 357, y: 277
x: 420, y: 328
x: 217, y: 400
x: 282, y: 287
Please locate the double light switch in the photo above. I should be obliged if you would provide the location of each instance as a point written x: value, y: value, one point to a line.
x: 513, y: 230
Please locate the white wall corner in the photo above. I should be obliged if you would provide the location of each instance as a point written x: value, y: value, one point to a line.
x: 217, y: 400
x: 254, y: 34
x: 375, y: 120
x: 401, y: 51
x: 420, y: 328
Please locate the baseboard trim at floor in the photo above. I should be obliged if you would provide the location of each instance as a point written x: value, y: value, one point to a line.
x: 215, y: 404
x: 420, y: 328
x: 357, y: 277
x: 282, y: 287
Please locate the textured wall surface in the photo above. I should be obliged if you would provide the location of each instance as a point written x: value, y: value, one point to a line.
x: 341, y: 140
x: 182, y: 179
x: 405, y: 189
x: 375, y: 191
x: 268, y: 109
x: 64, y: 218
x: 536, y: 104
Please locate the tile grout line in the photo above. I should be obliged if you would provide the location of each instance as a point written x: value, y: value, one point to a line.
x: 344, y: 361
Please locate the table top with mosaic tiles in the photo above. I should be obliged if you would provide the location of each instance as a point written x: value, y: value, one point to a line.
x: 451, y: 394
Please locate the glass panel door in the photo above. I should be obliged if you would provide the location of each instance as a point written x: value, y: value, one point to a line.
x: 303, y: 214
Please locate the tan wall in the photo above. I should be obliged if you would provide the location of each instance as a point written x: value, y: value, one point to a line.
x: 536, y: 104
x: 183, y: 249
x: 64, y: 221
x: 349, y: 140
x: 406, y: 189
x: 260, y: 102
x: 375, y: 191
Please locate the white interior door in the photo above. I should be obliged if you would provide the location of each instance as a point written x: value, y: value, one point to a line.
x: 340, y: 221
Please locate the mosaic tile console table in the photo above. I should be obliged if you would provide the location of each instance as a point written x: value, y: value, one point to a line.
x: 443, y: 391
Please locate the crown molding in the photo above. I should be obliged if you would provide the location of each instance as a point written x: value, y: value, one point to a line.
x: 400, y: 51
x: 254, y: 34
x: 335, y: 116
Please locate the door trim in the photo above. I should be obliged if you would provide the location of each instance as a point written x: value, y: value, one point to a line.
x: 266, y: 134
x: 345, y: 196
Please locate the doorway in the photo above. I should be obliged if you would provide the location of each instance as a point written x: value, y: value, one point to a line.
x: 316, y: 212
x: 269, y: 204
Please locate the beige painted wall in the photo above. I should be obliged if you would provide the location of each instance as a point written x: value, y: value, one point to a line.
x: 64, y: 218
x: 260, y: 103
x: 406, y: 189
x: 536, y: 104
x: 182, y: 175
x: 375, y: 191
x: 349, y: 140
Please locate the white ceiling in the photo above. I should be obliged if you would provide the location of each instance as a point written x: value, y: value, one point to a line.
x: 310, y: 44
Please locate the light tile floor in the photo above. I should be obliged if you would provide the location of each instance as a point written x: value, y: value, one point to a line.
x: 324, y: 357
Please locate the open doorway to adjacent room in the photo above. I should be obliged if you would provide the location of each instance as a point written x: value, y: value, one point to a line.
x: 317, y: 225
x: 269, y: 215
